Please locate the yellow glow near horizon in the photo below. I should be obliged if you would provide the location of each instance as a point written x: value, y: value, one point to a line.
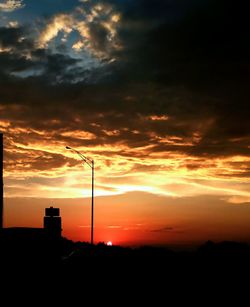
x: 118, y: 169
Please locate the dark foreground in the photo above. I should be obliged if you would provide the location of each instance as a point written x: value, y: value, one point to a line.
x: 82, y: 273
x: 67, y: 256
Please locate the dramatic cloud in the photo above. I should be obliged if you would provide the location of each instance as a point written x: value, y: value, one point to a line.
x: 155, y: 91
x: 96, y: 25
x: 11, y: 5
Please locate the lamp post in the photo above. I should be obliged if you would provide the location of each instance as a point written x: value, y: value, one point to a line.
x: 92, y: 166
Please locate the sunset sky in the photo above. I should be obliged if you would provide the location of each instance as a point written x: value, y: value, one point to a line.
x: 155, y: 91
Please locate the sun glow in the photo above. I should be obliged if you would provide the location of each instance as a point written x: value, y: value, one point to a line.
x: 50, y: 169
x: 109, y: 243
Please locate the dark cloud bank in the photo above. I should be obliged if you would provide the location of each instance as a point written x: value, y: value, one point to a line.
x: 188, y: 60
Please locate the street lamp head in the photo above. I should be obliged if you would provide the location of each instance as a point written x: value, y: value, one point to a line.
x: 67, y: 147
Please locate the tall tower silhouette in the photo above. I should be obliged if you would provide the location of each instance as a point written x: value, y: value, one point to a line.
x: 52, y: 223
x: 1, y: 180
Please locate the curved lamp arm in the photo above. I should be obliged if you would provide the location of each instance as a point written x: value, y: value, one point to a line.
x: 85, y: 159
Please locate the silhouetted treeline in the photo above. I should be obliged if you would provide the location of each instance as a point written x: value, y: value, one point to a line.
x: 39, y: 251
x: 115, y: 269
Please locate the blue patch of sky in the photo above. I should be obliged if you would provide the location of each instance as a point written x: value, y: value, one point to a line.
x: 3, y: 20
x: 58, y: 45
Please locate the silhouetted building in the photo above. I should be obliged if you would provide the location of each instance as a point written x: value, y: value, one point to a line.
x: 1, y: 180
x: 52, y: 222
x: 37, y: 245
x: 21, y: 234
x: 51, y: 230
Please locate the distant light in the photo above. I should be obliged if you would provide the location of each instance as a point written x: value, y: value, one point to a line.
x: 109, y: 243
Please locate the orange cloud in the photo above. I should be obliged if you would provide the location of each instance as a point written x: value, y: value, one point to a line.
x: 119, y: 169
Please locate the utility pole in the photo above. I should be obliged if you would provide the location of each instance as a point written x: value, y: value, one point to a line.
x: 91, y: 164
x: 92, y: 205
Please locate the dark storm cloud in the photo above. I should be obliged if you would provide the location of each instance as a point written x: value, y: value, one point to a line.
x: 12, y: 63
x: 14, y: 45
x: 172, y: 42
x: 188, y: 61
x: 20, y: 54
x: 11, y: 37
x: 202, y: 41
x: 202, y: 47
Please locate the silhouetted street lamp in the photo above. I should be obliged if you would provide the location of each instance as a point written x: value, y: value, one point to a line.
x: 91, y: 165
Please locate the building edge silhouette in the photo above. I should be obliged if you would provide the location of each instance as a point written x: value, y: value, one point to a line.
x: 52, y: 228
